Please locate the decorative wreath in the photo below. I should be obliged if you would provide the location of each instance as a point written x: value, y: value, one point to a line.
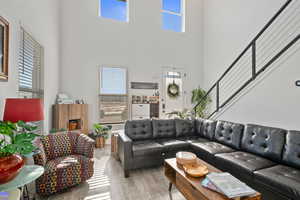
x: 173, y: 90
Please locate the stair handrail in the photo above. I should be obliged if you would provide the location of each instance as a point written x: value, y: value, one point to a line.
x: 255, y: 73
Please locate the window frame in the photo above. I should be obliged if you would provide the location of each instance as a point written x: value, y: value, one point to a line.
x: 181, y: 14
x: 100, y: 13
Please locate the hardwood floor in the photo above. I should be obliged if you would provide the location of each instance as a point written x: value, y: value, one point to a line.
x: 108, y: 183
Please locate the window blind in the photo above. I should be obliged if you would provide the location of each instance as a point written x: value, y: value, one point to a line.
x: 30, y: 67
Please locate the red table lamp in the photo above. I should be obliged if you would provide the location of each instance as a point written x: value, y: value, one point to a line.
x: 27, y: 110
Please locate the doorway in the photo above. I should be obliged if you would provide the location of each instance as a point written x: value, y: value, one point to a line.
x: 173, y: 92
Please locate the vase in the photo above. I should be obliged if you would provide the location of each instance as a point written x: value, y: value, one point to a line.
x: 10, y: 166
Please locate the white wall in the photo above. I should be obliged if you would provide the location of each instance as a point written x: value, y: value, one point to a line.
x: 88, y: 42
x: 40, y: 18
x: 228, y: 27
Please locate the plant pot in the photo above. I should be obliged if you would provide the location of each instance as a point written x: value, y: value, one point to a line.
x: 100, y: 142
x: 10, y: 167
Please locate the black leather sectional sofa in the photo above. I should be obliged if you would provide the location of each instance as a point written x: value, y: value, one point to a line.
x: 266, y: 158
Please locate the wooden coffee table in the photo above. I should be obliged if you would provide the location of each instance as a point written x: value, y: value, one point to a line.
x: 191, y: 187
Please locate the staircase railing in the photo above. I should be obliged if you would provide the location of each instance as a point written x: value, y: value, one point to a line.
x: 281, y: 32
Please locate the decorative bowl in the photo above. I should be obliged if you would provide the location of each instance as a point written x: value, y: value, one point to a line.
x: 184, y: 158
x: 195, y: 170
x: 10, y: 167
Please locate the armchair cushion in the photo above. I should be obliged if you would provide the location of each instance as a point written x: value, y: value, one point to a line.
x: 85, y: 146
x: 64, y: 172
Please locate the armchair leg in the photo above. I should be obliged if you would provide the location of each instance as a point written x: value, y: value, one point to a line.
x: 126, y: 173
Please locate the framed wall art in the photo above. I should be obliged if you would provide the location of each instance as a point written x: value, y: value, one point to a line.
x: 4, y: 48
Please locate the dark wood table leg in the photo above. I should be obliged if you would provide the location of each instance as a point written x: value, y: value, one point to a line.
x: 170, y: 190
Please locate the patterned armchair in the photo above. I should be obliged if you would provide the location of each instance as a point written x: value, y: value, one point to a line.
x: 67, y: 159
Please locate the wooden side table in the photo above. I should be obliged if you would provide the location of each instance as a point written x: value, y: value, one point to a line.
x: 114, y: 145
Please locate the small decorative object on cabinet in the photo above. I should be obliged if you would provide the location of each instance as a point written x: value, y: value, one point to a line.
x: 100, y: 134
x: 4, y: 48
x: 71, y: 117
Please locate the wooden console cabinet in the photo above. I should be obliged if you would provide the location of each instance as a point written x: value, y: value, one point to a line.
x: 71, y: 117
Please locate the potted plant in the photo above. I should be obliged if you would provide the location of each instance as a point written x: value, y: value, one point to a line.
x: 100, y: 134
x: 16, y: 140
x: 199, y: 96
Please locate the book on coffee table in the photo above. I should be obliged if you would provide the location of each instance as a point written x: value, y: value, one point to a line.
x: 207, y: 184
x: 229, y: 185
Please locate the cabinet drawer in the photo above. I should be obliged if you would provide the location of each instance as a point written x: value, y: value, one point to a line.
x: 140, y: 110
x: 140, y: 117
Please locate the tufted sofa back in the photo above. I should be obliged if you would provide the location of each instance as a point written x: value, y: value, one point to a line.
x: 198, y: 126
x: 264, y: 141
x: 164, y: 128
x: 208, y: 129
x: 229, y: 133
x: 139, y: 129
x: 291, y: 153
x: 184, y: 127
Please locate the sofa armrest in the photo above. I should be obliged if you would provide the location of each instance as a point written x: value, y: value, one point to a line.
x: 40, y: 158
x: 125, y: 150
x: 85, y: 146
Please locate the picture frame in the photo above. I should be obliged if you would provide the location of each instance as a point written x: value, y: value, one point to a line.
x: 4, y: 49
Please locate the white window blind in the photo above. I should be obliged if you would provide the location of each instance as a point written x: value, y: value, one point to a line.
x: 30, y: 67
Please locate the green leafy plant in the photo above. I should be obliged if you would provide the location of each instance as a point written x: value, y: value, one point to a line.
x: 199, y: 97
x: 185, y: 114
x: 16, y: 138
x: 101, y: 130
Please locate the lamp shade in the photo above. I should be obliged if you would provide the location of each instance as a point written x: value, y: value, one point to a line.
x: 27, y: 110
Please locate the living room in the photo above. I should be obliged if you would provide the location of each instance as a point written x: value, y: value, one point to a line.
x: 127, y: 63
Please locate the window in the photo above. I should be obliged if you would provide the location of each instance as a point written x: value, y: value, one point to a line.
x: 113, y: 81
x: 113, y: 98
x: 30, y: 67
x: 114, y: 9
x: 173, y: 15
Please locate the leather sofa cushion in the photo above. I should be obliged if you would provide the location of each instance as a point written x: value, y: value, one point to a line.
x: 198, y: 125
x: 243, y: 162
x: 291, y: 154
x: 164, y: 128
x: 229, y: 133
x: 184, y: 127
x: 265, y: 141
x: 146, y: 148
x: 173, y: 145
x: 208, y: 129
x: 194, y: 139
x: 283, y: 178
x: 139, y: 129
x: 212, y: 147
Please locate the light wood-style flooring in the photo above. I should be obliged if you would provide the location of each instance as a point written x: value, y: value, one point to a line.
x: 108, y: 183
